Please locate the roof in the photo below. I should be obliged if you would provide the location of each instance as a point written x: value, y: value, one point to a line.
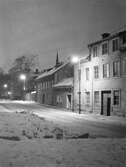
x: 65, y: 83
x: 50, y: 72
x: 107, y: 38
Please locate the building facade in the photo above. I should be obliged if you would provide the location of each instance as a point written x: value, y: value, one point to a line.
x: 103, y: 76
x: 54, y: 87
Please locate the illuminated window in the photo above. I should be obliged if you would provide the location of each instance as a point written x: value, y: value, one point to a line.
x: 106, y: 70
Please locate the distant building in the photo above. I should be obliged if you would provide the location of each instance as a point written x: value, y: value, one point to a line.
x: 55, y: 86
x: 30, y: 92
x: 103, y: 76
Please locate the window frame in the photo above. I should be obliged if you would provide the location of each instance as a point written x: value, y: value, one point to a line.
x: 116, y: 101
x: 96, y: 72
x: 105, y: 49
x: 115, y: 44
x: 116, y: 68
x: 87, y: 98
x: 95, y: 51
x: 124, y: 39
x: 106, y: 71
x: 87, y: 73
x: 96, y: 101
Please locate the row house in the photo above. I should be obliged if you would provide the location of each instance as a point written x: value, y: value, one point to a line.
x: 103, y: 76
x: 55, y: 86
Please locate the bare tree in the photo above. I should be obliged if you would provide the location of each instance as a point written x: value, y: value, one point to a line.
x: 25, y: 63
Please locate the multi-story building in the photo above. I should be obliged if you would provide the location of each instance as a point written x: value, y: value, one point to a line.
x: 55, y: 86
x: 103, y: 76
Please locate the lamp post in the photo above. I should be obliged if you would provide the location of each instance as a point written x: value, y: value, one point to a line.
x: 75, y: 60
x: 23, y: 78
x: 5, y: 86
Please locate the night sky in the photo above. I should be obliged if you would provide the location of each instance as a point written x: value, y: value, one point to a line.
x: 43, y: 26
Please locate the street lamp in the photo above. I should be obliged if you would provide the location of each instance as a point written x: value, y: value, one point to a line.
x: 5, y: 86
x: 75, y: 60
x: 23, y: 78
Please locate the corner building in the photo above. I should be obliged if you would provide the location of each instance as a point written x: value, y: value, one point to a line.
x: 103, y: 77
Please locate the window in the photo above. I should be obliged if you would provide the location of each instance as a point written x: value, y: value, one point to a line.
x: 87, y: 73
x: 95, y: 54
x: 116, y: 68
x: 42, y: 85
x: 52, y: 82
x: 104, y: 48
x: 106, y: 70
x: 115, y: 45
x: 96, y: 97
x: 87, y: 97
x: 58, y: 99
x: 124, y: 39
x: 96, y: 72
x: 39, y: 87
x: 116, y: 97
x: 124, y: 67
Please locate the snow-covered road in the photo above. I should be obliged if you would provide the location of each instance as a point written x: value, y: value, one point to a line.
x: 29, y: 136
x: 96, y: 125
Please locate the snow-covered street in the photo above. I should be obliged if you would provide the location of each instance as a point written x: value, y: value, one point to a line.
x: 33, y: 135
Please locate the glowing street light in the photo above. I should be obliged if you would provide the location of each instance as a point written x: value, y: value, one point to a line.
x: 23, y: 78
x: 5, y: 86
x: 75, y: 59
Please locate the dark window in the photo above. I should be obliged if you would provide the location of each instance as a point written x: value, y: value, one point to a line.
x: 95, y: 54
x: 116, y: 98
x: 124, y: 39
x: 104, y: 48
x: 115, y: 45
x: 87, y: 73
x: 125, y: 67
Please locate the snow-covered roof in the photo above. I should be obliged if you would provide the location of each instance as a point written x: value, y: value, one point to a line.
x: 52, y: 71
x: 67, y: 82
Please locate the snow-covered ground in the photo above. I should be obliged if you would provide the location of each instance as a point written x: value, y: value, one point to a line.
x: 33, y: 136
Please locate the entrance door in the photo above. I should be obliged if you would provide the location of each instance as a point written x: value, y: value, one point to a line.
x: 69, y: 103
x: 106, y: 103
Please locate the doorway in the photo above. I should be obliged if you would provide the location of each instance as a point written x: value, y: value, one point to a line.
x: 69, y: 101
x: 106, y: 103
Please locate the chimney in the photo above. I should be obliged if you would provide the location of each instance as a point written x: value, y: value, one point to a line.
x: 105, y: 35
